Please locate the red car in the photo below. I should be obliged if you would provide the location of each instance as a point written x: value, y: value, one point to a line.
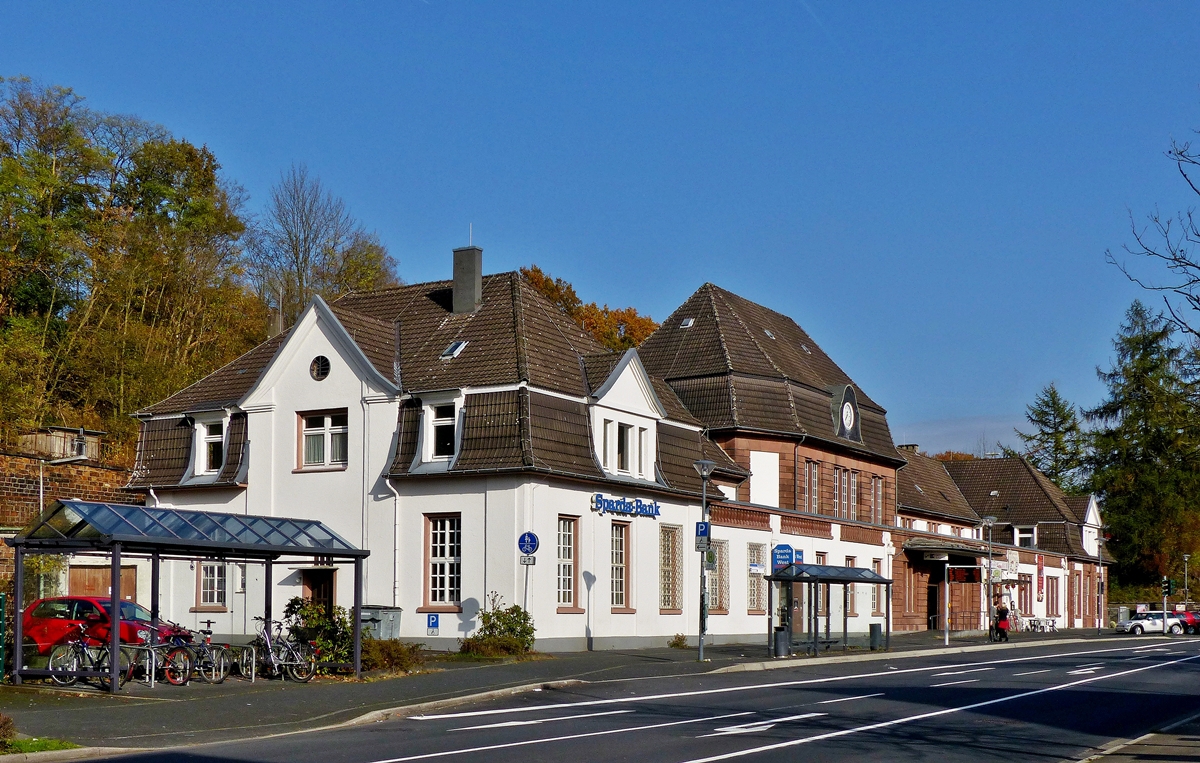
x: 1191, y: 621
x: 48, y: 622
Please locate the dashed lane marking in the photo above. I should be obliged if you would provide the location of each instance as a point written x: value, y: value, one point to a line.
x: 955, y: 683
x: 960, y: 672
x: 506, y: 724
x: 850, y: 699
x: 756, y: 726
x: 1033, y: 672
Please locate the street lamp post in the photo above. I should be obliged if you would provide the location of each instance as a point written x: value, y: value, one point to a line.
x: 705, y: 469
x: 988, y: 521
x: 1099, y: 583
x: 1187, y: 599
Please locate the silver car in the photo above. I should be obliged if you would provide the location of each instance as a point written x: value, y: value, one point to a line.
x: 1150, y: 622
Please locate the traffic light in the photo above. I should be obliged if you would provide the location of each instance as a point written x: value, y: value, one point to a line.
x: 1170, y: 588
x: 1166, y: 586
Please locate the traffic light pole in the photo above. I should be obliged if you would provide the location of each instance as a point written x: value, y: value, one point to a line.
x: 1166, y: 587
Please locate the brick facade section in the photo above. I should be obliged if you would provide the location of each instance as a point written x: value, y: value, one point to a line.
x: 19, y: 491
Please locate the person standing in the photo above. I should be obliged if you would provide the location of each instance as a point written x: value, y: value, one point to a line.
x: 1002, y: 623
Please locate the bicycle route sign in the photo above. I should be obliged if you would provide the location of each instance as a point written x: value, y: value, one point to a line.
x: 431, y: 625
x: 527, y: 544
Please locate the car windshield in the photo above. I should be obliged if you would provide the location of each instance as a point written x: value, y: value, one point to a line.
x: 1147, y: 615
x: 129, y: 611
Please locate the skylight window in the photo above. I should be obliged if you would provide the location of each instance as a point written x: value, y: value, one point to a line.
x: 768, y: 333
x: 687, y: 323
x: 918, y: 487
x: 806, y: 350
x: 453, y: 350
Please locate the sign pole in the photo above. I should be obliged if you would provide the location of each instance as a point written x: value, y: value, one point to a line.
x: 946, y: 604
x: 703, y: 565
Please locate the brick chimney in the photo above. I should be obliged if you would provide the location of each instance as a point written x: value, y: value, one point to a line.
x: 468, y: 279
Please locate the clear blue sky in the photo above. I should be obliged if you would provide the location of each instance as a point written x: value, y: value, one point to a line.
x: 928, y: 189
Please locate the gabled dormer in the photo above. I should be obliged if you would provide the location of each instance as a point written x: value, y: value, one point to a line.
x: 625, y: 412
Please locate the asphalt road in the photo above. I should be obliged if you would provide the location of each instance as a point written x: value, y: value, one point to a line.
x: 1061, y: 702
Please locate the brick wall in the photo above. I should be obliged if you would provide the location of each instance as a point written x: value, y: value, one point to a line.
x: 19, y: 491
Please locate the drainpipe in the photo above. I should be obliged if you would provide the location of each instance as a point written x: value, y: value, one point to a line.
x: 155, y: 497
x: 395, y: 542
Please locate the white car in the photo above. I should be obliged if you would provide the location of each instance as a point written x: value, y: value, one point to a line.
x: 1150, y: 622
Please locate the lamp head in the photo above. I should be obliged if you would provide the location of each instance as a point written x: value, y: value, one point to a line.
x: 989, y: 520
x: 705, y: 468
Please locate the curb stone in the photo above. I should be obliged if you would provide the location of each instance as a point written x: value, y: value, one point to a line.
x: 796, y: 662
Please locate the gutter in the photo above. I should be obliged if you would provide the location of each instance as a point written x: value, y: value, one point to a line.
x: 395, y: 541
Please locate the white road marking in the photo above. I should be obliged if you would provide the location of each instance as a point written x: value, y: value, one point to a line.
x: 526, y: 742
x: 849, y: 699
x: 751, y: 728
x: 504, y: 724
x: 954, y: 683
x: 933, y: 714
x: 1033, y: 672
x: 1090, y: 665
x: 1084, y: 672
x: 888, y: 671
x: 960, y: 672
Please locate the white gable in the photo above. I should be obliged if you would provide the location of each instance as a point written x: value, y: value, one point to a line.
x: 628, y: 389
x: 318, y: 333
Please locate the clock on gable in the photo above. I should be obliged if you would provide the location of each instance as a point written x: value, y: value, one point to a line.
x: 844, y: 405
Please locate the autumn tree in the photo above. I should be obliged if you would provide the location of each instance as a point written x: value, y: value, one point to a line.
x: 1145, y: 458
x: 1057, y: 445
x: 618, y: 329
x: 307, y: 243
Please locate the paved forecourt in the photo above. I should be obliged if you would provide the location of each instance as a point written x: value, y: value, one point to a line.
x: 1052, y: 702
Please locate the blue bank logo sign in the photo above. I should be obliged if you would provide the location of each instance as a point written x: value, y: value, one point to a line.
x: 634, y: 507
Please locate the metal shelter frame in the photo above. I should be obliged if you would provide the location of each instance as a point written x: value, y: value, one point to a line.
x: 816, y: 575
x: 74, y: 526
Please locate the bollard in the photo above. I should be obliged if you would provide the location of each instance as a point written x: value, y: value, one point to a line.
x: 782, y: 647
x: 876, y: 636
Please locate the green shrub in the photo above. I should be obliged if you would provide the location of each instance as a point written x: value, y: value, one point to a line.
x: 332, y: 632
x: 390, y: 654
x: 678, y: 641
x: 8, y: 731
x: 502, y: 631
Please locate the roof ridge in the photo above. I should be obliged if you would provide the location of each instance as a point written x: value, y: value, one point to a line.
x: 717, y: 320
x: 754, y: 339
x: 336, y: 308
x: 519, y: 329
x: 1041, y: 481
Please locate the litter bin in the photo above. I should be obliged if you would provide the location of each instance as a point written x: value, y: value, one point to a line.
x: 381, y: 622
x: 782, y: 647
x: 876, y: 636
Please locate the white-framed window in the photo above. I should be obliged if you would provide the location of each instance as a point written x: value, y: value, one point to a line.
x: 756, y: 584
x: 239, y: 583
x: 852, y: 561
x: 1026, y: 537
x: 445, y: 560
x: 643, y: 445
x: 444, y: 418
x: 812, y: 486
x: 670, y: 567
x: 822, y: 588
x: 325, y: 439
x: 214, y: 446
x: 567, y: 537
x: 213, y: 584
x: 624, y: 446
x: 876, y: 590
x: 843, y: 481
x: 619, y: 564
x: 606, y: 443
x: 718, y: 578
x: 854, y: 495
x: 877, y: 500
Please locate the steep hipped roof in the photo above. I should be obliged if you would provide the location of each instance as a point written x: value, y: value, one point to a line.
x: 224, y: 387
x: 516, y: 335
x: 736, y: 364
x: 925, y: 485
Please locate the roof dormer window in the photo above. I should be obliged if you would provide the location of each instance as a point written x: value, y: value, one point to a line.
x: 443, y: 430
x: 214, y: 447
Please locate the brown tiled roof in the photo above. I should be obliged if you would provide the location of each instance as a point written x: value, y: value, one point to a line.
x: 223, y: 387
x: 676, y: 410
x: 164, y: 451
x: 376, y: 338
x: 925, y: 485
x: 679, y: 449
x: 491, y: 436
x: 598, y: 367
x: 560, y: 435
x: 1078, y: 506
x: 1025, y: 497
x: 406, y: 436
x: 516, y: 335
x: 741, y: 365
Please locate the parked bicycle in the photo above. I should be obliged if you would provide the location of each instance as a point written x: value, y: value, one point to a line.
x: 280, y: 655
x: 82, y: 652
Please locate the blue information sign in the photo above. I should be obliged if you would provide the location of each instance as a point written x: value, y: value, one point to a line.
x: 781, y: 556
x: 702, y: 529
x: 431, y: 621
x: 527, y: 544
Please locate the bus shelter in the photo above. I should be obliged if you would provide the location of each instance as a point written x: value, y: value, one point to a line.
x: 158, y: 533
x: 816, y: 576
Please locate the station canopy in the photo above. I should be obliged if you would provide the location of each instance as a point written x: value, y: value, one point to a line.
x: 73, y: 525
x: 822, y: 573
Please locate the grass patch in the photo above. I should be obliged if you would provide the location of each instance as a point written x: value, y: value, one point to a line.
x: 37, y: 744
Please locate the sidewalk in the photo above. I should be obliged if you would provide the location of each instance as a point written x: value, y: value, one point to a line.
x: 237, y: 709
x: 1178, y: 742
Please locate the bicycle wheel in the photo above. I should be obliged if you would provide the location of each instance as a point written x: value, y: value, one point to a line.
x: 124, y: 669
x: 245, y: 662
x: 213, y: 665
x: 177, y: 666
x: 302, y: 664
x: 64, y: 657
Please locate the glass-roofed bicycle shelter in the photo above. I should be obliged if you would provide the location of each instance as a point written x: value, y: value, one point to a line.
x: 158, y: 533
x: 818, y: 578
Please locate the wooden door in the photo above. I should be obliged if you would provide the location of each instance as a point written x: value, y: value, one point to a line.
x: 96, y: 581
x: 318, y: 587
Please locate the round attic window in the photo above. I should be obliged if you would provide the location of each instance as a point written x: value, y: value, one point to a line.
x: 319, y: 368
